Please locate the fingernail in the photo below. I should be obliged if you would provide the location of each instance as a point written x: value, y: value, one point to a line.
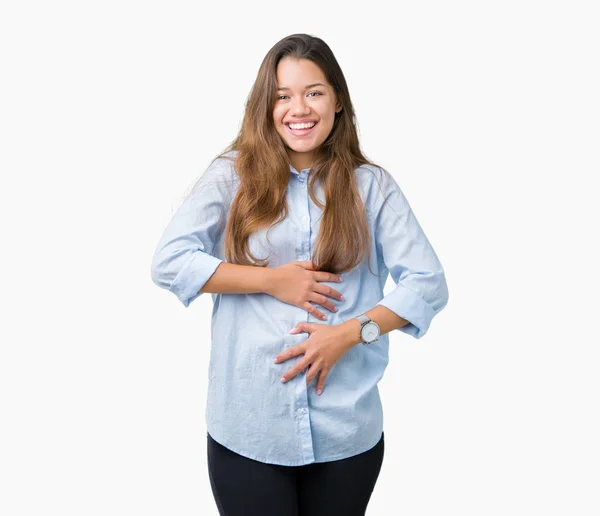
x: 341, y: 279
x: 282, y: 378
x: 341, y: 298
x: 276, y: 360
x: 319, y: 391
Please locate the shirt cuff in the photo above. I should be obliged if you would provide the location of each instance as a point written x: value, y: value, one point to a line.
x: 193, y: 275
x: 410, y: 306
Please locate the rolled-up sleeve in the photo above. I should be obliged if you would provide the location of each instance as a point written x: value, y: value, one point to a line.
x: 183, y: 261
x: 421, y: 290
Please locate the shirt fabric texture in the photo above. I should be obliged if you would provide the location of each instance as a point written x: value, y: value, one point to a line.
x: 249, y: 410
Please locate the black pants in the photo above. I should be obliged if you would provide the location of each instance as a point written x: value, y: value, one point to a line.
x: 246, y: 487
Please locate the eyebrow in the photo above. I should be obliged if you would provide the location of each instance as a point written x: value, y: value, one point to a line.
x: 306, y: 87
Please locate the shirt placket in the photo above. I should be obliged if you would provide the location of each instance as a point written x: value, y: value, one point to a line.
x: 301, y: 414
x: 304, y: 233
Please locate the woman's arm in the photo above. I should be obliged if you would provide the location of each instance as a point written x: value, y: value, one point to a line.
x: 183, y: 259
x: 230, y: 278
x: 384, y: 317
x: 421, y: 290
x: 295, y: 283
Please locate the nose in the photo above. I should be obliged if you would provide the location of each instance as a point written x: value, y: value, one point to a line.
x: 299, y: 107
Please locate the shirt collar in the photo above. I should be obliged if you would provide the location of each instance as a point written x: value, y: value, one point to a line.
x: 303, y: 171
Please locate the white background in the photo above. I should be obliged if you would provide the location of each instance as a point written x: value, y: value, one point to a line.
x: 487, y: 114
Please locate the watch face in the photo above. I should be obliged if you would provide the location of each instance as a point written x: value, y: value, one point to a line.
x: 370, y: 332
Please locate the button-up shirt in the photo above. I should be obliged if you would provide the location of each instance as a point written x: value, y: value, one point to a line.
x: 249, y: 410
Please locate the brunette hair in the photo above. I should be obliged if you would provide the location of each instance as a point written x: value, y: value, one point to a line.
x: 263, y: 167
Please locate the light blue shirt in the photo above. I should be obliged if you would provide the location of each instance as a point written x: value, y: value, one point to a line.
x: 249, y: 410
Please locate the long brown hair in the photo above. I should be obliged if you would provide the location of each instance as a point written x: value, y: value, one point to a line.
x: 263, y: 167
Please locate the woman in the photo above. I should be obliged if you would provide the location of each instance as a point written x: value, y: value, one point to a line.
x: 290, y: 209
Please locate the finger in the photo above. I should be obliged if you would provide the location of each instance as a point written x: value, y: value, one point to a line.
x: 307, y: 264
x: 312, y: 372
x: 327, y: 276
x: 294, y: 351
x: 328, y: 291
x: 321, y: 383
x: 291, y: 373
x: 323, y: 301
x: 304, y: 326
x: 311, y: 309
x: 296, y: 329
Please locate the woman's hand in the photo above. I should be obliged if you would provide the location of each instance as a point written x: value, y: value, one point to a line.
x: 325, y: 346
x: 297, y: 283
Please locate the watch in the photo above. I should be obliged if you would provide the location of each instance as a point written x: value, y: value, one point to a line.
x: 369, y: 329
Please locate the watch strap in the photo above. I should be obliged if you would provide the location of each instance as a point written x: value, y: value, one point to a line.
x: 363, y: 319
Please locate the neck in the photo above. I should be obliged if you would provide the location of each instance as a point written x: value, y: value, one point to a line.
x: 301, y: 160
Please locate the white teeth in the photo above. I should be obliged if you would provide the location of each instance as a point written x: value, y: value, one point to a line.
x: 301, y: 126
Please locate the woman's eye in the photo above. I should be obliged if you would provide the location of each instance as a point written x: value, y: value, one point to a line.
x: 311, y: 93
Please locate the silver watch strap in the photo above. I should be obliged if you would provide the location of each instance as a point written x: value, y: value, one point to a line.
x: 363, y: 319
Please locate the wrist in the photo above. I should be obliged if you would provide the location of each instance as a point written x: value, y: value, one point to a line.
x: 350, y: 332
x: 268, y: 279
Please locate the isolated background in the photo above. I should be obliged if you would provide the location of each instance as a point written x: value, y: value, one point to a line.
x: 486, y: 113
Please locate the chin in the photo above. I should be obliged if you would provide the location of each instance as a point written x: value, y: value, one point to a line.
x: 301, y: 150
x: 302, y: 146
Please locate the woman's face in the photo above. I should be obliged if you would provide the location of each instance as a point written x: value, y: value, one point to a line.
x: 303, y: 96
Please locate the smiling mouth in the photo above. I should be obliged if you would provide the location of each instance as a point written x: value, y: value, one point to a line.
x: 300, y: 132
